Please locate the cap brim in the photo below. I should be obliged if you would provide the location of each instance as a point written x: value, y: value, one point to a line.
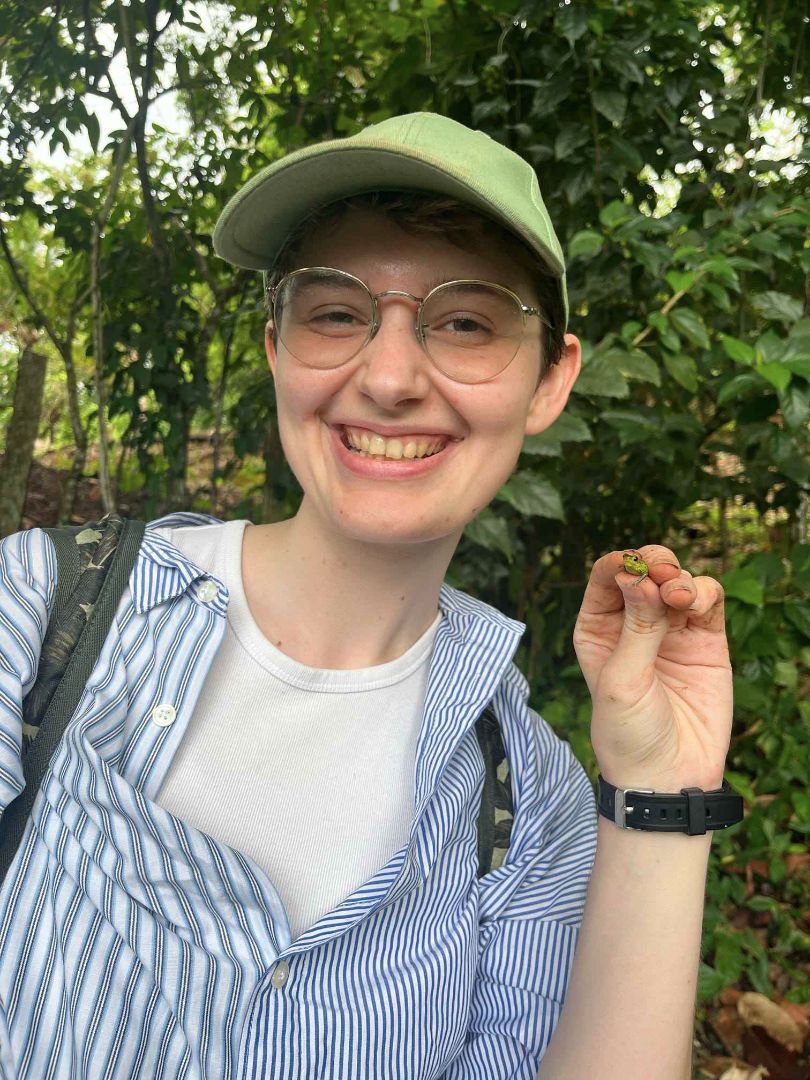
x: 254, y: 225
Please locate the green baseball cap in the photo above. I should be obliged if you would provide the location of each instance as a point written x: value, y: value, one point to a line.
x: 415, y: 152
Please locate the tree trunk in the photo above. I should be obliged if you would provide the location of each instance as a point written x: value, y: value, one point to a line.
x: 21, y: 435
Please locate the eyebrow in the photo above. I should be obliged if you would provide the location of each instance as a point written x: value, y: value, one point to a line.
x: 434, y: 283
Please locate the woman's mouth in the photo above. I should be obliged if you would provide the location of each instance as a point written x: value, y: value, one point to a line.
x: 368, y: 443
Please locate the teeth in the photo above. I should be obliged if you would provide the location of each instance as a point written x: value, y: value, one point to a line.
x: 374, y: 445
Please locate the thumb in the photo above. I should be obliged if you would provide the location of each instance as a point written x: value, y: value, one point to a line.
x: 645, y: 624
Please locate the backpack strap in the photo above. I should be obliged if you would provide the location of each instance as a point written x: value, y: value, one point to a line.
x: 496, y: 793
x: 94, y: 563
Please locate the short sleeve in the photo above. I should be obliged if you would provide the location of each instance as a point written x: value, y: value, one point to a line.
x: 530, y: 913
x: 27, y: 586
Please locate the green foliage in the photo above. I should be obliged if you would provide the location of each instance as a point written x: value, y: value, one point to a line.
x: 686, y: 233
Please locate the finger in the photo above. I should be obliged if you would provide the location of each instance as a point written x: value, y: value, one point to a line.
x: 662, y: 562
x: 707, y: 612
x: 644, y: 628
x: 603, y: 593
x: 679, y: 592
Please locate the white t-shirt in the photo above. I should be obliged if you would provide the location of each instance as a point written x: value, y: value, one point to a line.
x: 307, y: 771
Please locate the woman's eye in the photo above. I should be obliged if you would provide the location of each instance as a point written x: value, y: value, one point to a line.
x: 335, y: 317
x: 463, y: 324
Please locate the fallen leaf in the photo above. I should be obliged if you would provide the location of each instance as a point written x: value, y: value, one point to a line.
x: 796, y: 862
x: 745, y: 1072
x: 730, y: 995
x: 800, y: 1013
x: 760, y: 1049
x: 758, y: 1011
x: 729, y: 1027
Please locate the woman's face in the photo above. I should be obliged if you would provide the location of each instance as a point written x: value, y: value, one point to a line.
x: 392, y: 390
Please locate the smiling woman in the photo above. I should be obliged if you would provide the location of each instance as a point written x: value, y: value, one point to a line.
x: 256, y: 852
x: 387, y: 375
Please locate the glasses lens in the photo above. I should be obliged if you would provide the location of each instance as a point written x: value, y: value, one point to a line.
x: 323, y: 317
x: 472, y: 330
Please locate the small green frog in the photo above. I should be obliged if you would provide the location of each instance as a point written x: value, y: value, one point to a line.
x: 634, y: 564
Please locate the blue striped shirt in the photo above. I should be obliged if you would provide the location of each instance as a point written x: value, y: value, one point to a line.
x: 133, y: 945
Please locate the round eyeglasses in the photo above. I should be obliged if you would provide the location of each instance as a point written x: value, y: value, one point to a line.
x: 471, y: 330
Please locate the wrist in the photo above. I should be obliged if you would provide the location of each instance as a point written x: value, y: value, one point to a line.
x: 692, y: 810
x: 667, y: 782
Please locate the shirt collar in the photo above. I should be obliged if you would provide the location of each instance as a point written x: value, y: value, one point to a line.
x: 162, y: 572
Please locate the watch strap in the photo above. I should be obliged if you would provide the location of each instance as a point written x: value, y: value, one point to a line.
x: 692, y: 810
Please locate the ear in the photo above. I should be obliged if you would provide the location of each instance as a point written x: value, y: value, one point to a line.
x: 270, y: 346
x: 551, y: 395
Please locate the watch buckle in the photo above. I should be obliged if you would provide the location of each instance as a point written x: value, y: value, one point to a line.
x: 620, y: 807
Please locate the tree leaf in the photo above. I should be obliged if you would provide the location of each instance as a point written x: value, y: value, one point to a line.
x: 623, y: 63
x: 584, y: 244
x: 601, y: 378
x: 778, y: 375
x: 633, y: 426
x: 572, y: 22
x: 614, y: 214
x: 569, y: 138
x: 491, y: 532
x: 738, y: 350
x: 797, y: 612
x: 742, y: 585
x: 683, y: 370
x: 687, y: 322
x: 533, y: 496
x: 778, y: 306
x: 611, y: 104
x: 636, y: 364
x: 548, y: 443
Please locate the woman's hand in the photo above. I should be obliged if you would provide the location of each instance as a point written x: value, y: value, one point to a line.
x: 655, y: 658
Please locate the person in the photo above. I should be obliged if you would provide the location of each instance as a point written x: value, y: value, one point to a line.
x: 254, y: 852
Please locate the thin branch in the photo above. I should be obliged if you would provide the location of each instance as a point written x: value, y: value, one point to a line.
x: 99, y: 224
x: 21, y: 280
x: 668, y: 306
x: 126, y: 36
x: 152, y: 220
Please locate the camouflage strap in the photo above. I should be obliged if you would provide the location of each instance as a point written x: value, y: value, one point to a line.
x: 495, y: 815
x: 94, y: 563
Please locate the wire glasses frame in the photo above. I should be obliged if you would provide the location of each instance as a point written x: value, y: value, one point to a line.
x: 275, y: 292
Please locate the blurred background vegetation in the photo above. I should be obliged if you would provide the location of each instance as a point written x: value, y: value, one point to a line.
x: 669, y: 143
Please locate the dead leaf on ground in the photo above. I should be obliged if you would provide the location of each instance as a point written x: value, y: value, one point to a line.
x: 782, y: 1064
x: 729, y: 1027
x: 745, y: 1072
x: 756, y: 1010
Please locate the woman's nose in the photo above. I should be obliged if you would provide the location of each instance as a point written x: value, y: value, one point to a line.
x: 394, y: 367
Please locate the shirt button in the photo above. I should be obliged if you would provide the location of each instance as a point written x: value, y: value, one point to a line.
x: 163, y: 715
x: 281, y: 973
x: 207, y: 591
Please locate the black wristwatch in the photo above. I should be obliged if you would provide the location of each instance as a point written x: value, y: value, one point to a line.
x: 692, y: 811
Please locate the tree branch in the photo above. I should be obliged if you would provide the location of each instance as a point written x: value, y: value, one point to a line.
x: 21, y: 281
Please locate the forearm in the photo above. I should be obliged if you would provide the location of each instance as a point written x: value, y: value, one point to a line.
x: 629, y: 1009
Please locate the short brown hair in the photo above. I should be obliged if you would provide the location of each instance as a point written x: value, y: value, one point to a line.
x: 430, y: 214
